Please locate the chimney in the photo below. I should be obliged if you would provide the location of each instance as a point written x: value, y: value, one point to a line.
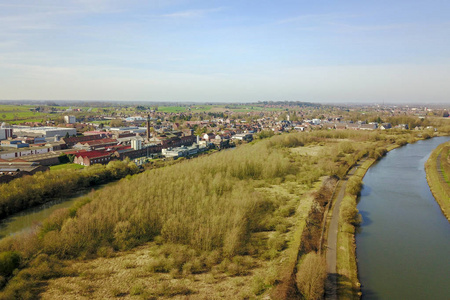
x: 148, y: 127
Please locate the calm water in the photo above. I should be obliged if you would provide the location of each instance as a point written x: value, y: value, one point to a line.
x: 403, y: 247
x: 27, y: 218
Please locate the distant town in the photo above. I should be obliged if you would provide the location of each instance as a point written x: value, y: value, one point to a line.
x: 35, y: 137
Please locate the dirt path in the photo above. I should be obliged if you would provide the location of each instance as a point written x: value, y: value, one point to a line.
x: 331, y: 288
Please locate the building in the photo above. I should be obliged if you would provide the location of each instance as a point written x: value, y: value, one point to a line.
x: 136, y: 144
x: 5, y: 132
x: 183, y: 151
x: 248, y: 137
x: 14, y: 144
x: 11, y: 169
x: 70, y: 141
x: 43, y: 131
x: 88, y: 158
x: 70, y: 119
x: 15, y: 153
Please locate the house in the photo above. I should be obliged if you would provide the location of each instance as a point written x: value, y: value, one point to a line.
x: 368, y: 126
x: 248, y: 137
x: 385, y: 126
x: 88, y: 158
x: 208, y: 137
x: 340, y: 126
x: 353, y: 126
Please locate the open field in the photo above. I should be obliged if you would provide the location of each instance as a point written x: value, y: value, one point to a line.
x: 437, y: 169
x: 10, y: 113
x: 67, y: 166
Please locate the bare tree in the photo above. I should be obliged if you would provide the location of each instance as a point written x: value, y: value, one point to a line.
x: 311, y: 276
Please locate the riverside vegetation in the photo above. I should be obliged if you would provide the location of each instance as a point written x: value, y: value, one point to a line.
x: 437, y: 169
x: 28, y: 191
x: 234, y: 224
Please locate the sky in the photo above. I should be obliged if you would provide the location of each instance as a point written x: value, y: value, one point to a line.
x: 226, y: 51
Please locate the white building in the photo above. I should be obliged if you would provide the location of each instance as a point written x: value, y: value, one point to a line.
x: 243, y: 136
x: 24, y: 152
x: 183, y: 151
x: 70, y: 119
x: 136, y: 144
x: 43, y: 131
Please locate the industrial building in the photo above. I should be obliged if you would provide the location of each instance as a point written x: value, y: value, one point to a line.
x: 46, y: 132
x: 5, y: 131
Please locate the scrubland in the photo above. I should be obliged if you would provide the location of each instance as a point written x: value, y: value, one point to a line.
x: 238, y: 224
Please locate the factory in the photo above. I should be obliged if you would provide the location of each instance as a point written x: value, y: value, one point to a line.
x: 47, y: 132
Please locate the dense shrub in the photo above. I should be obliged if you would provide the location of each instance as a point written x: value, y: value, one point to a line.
x: 9, y: 261
x: 29, y: 191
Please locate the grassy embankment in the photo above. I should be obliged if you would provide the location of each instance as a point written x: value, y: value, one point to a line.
x: 230, y: 225
x: 437, y: 169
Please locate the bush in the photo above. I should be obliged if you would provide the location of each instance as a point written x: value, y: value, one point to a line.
x: 9, y: 261
x: 348, y: 211
x: 354, y: 186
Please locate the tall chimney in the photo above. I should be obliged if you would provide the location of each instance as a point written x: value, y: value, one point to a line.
x: 148, y: 127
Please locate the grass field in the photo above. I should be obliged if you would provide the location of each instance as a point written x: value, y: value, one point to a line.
x: 67, y: 167
x: 171, y: 109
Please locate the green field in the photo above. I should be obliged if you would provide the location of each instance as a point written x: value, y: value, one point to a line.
x: 66, y: 167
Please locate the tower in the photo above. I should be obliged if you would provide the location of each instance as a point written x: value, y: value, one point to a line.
x: 148, y: 127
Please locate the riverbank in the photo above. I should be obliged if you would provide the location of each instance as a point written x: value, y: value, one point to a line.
x: 403, y: 229
x: 348, y: 285
x: 437, y: 169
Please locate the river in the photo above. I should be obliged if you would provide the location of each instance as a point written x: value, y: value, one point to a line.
x: 403, y: 244
x: 25, y: 219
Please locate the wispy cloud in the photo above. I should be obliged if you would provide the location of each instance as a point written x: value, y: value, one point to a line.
x: 315, y: 18
x: 192, y: 13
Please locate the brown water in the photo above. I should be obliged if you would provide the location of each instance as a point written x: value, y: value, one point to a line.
x: 403, y: 247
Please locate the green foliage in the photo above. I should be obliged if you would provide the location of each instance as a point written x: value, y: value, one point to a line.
x: 378, y: 152
x: 348, y: 211
x: 265, y: 134
x: 9, y: 261
x: 29, y: 191
x: 354, y: 185
x: 346, y: 147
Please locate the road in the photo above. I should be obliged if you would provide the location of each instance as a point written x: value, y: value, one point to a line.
x: 331, y: 288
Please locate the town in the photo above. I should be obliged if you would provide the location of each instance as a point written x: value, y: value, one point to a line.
x: 86, y: 136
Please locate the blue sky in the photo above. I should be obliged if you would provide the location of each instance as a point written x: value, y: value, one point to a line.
x: 234, y: 51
